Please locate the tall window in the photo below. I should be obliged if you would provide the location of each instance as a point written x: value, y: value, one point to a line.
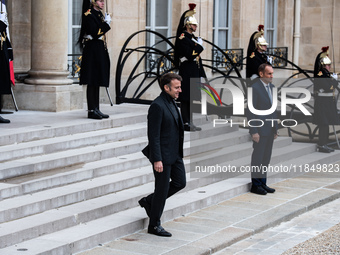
x: 75, y: 8
x: 222, y: 23
x: 158, y: 18
x: 74, y: 18
x: 271, y: 22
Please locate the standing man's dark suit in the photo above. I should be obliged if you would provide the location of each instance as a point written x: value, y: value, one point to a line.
x: 262, y: 136
x: 165, y: 151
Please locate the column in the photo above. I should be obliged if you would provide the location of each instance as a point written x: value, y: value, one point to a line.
x: 48, y: 82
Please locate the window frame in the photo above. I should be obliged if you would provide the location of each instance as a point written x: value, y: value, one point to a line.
x: 269, y: 28
x: 217, y: 28
x: 153, y: 26
x: 71, y: 26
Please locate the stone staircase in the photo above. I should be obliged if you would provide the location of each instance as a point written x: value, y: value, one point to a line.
x: 70, y: 187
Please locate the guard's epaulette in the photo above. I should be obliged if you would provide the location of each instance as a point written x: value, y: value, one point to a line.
x: 182, y: 36
x: 88, y: 12
x: 252, y: 55
x: 3, y: 39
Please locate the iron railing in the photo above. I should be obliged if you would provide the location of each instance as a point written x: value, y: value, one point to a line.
x: 280, y: 56
x: 73, y: 66
x: 220, y: 62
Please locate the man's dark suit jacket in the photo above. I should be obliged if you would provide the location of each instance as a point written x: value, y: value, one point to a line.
x: 165, y: 131
x: 261, y: 101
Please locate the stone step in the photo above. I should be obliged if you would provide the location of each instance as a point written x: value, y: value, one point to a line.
x: 73, y: 141
x: 89, y: 234
x: 74, y: 192
x: 71, y: 157
x: 68, y: 126
x: 60, y: 177
x: 100, y: 189
x: 60, y: 152
x: 232, y: 166
x: 46, y: 178
x: 236, y: 151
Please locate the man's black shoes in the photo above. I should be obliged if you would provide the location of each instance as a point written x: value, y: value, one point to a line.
x: 104, y: 116
x: 258, y: 190
x: 144, y: 204
x: 261, y: 190
x: 158, y: 231
x: 269, y: 190
x: 2, y: 120
x: 97, y: 115
x: 94, y: 115
x: 325, y: 148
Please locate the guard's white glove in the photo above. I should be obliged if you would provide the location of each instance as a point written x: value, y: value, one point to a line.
x: 270, y: 59
x: 335, y: 76
x: 3, y: 17
x: 199, y: 41
x: 107, y: 18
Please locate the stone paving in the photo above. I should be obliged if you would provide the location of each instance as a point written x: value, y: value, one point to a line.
x: 300, y: 209
x: 279, y: 239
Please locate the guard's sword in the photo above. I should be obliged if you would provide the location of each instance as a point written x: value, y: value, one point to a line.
x: 331, y: 23
x: 108, y: 94
x: 107, y: 89
x: 200, y: 24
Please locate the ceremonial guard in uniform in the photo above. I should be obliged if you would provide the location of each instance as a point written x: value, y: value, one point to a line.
x: 188, y: 48
x: 6, y: 55
x: 256, y: 53
x: 325, y: 110
x: 95, y: 64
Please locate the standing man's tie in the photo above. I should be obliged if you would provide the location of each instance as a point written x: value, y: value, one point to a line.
x: 269, y: 93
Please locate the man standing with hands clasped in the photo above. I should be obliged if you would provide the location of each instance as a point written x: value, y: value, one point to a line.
x: 165, y: 151
x: 262, y: 133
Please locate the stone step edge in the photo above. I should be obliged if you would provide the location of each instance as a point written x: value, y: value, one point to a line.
x: 140, y: 193
x: 16, y: 190
x: 73, y: 141
x: 56, y: 144
x: 38, y: 132
x: 134, y: 220
x: 61, y: 159
x: 187, y: 149
x: 240, y: 231
x: 110, y: 187
x: 28, y: 165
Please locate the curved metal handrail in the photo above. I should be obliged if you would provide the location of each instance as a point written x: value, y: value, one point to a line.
x: 163, y: 61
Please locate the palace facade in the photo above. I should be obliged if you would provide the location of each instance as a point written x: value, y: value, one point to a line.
x: 43, y: 35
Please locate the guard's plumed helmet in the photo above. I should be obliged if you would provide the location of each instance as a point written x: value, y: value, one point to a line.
x: 324, y: 59
x: 259, y: 38
x: 189, y: 16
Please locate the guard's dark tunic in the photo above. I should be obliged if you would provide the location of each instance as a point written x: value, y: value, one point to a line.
x: 95, y: 65
x: 6, y: 54
x: 254, y: 60
x: 190, y: 66
x: 325, y: 110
